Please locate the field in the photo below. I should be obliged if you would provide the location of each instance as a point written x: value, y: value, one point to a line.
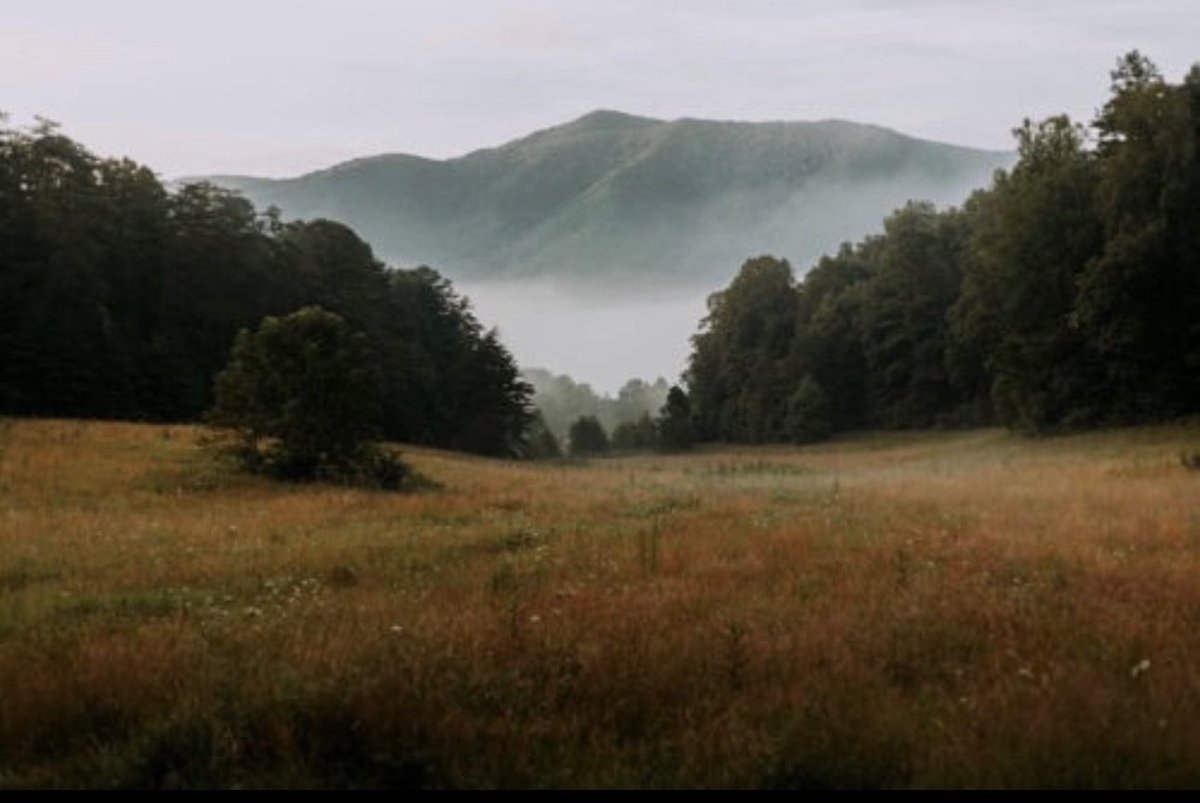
x: 951, y: 609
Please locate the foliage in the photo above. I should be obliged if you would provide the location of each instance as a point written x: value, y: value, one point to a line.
x: 917, y: 270
x: 808, y: 412
x: 1064, y: 295
x: 636, y: 436
x: 740, y: 363
x: 540, y: 442
x: 1034, y: 232
x: 301, y: 401
x: 675, y: 430
x: 562, y: 400
x: 121, y: 299
x: 1139, y: 298
x: 587, y: 437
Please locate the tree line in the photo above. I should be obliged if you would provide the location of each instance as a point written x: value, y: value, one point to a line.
x: 669, y: 430
x: 562, y: 401
x: 121, y: 298
x: 1065, y: 295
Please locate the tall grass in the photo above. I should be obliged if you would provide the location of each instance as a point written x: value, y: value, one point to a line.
x: 935, y: 610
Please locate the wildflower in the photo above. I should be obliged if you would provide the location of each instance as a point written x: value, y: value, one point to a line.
x: 1140, y: 667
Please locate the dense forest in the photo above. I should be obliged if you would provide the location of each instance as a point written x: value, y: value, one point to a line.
x: 1065, y: 295
x: 121, y: 298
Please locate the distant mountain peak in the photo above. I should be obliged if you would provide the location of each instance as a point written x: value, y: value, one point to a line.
x: 635, y: 202
x: 610, y: 118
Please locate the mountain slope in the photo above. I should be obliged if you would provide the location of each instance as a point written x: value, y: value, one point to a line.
x: 614, y: 198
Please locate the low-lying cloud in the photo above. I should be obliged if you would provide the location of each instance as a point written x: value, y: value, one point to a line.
x: 603, y: 340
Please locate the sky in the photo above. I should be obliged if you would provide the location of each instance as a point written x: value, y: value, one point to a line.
x: 281, y: 87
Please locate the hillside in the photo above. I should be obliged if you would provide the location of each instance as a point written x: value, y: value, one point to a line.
x: 610, y: 197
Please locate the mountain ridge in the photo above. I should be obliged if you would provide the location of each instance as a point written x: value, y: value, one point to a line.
x: 619, y: 199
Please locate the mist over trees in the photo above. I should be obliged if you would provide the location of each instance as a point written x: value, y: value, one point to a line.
x: 121, y: 299
x: 1065, y: 295
x: 587, y: 437
x: 624, y: 203
x: 561, y: 401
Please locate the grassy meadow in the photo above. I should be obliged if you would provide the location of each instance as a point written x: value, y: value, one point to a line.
x: 951, y: 609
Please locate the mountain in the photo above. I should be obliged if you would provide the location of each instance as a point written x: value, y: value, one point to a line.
x: 616, y: 199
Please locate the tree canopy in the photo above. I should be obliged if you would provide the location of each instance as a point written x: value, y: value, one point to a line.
x: 121, y: 298
x: 300, y: 399
x: 1065, y: 295
x: 588, y: 437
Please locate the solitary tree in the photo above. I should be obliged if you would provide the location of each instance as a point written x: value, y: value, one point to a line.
x: 299, y: 400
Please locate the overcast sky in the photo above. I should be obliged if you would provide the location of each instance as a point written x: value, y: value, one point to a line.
x: 279, y: 87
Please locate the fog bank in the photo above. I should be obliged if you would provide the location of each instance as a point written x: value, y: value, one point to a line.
x: 599, y: 339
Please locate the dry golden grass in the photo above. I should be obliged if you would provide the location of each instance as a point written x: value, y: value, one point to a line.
x: 968, y: 609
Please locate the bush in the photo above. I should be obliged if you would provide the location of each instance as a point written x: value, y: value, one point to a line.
x: 299, y: 400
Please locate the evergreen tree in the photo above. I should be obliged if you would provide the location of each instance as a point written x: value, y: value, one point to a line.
x: 675, y: 432
x: 588, y: 437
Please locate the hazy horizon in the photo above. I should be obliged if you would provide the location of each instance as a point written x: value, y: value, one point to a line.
x: 600, y: 341
x: 278, y: 89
